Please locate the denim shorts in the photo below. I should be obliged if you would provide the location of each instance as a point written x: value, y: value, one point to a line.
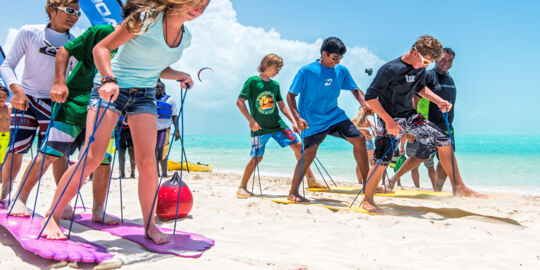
x: 130, y: 100
x: 370, y: 146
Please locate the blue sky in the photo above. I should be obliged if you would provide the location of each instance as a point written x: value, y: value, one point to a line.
x: 495, y: 43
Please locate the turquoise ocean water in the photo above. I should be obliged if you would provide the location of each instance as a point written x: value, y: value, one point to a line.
x: 487, y: 163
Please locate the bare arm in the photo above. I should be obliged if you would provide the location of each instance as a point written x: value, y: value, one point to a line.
x: 392, y: 127
x: 102, y: 58
x: 253, y: 125
x: 171, y: 74
x: 286, y: 112
x: 59, y: 91
x: 443, y: 104
x: 359, y: 95
x: 300, y: 123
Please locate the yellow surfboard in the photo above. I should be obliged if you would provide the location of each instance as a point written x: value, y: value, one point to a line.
x: 410, y: 194
x: 334, y: 205
x: 196, y: 167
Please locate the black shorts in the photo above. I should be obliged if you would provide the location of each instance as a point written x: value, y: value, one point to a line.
x: 344, y: 129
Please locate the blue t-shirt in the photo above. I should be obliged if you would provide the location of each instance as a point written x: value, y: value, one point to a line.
x: 318, y: 88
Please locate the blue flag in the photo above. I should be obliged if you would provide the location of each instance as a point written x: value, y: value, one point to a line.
x: 102, y: 11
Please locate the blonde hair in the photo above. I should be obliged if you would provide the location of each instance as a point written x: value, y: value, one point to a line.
x: 270, y: 60
x: 53, y: 4
x: 427, y: 45
x: 149, y: 9
x: 360, y: 119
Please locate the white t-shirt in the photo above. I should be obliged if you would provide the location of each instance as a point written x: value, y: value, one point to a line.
x: 166, y: 123
x: 39, y: 44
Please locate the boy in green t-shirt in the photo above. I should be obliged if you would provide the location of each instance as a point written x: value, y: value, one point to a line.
x: 262, y: 94
x: 70, y: 121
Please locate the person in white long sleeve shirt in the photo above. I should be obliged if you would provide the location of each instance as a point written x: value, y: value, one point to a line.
x: 39, y: 44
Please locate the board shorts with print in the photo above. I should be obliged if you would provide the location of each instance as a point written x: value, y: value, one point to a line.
x: 425, y: 133
x: 344, y: 129
x: 4, y: 144
x: 416, y: 149
x: 37, y: 116
x: 64, y: 137
x: 284, y: 138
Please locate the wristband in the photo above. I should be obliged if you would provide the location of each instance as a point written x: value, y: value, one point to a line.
x: 107, y: 79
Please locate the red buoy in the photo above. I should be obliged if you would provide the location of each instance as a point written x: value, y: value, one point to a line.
x: 168, y: 196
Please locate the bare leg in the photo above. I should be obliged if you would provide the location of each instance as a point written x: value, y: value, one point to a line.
x: 95, y: 155
x: 409, y: 164
x: 415, y: 176
x: 309, y: 156
x: 441, y: 177
x: 99, y: 188
x: 19, y: 209
x: 445, y: 155
x: 312, y: 182
x: 376, y: 175
x: 361, y: 157
x: 248, y: 171
x: 17, y: 160
x: 143, y: 132
x: 432, y: 176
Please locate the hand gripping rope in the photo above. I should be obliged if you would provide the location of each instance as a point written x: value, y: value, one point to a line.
x: 392, y: 141
x: 256, y: 145
x: 183, y: 94
x: 445, y: 116
x: 84, y: 155
x: 55, y: 109
x: 12, y: 149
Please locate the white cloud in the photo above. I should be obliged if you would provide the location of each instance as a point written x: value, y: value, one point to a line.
x: 234, y: 51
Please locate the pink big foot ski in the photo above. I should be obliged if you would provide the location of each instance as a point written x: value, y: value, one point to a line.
x: 182, y: 244
x: 25, y: 230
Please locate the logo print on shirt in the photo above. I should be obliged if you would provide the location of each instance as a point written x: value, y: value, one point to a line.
x: 410, y: 78
x: 328, y: 82
x: 265, y: 103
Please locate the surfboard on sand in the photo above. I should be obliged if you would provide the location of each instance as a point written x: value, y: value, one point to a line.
x: 25, y: 230
x: 409, y: 194
x: 334, y: 205
x: 182, y: 244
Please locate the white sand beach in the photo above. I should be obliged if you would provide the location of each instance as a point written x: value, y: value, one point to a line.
x: 502, y: 232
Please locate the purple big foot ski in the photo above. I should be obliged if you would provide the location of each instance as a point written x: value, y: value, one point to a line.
x: 26, y: 230
x: 182, y: 244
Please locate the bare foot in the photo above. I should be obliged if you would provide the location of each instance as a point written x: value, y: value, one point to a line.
x: 155, y: 235
x: 67, y: 213
x: 243, y: 192
x: 52, y: 231
x: 370, y: 206
x: 382, y: 189
x: 19, y: 209
x: 297, y: 198
x: 312, y: 183
x: 467, y: 192
x: 97, y: 216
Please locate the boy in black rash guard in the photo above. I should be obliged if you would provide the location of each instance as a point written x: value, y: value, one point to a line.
x: 390, y: 96
x: 441, y: 83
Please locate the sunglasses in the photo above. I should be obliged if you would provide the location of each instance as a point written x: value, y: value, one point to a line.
x: 70, y: 11
x: 337, y: 57
x: 425, y: 61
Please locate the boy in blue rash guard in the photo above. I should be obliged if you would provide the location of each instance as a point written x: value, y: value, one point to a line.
x: 319, y: 84
x: 390, y: 96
